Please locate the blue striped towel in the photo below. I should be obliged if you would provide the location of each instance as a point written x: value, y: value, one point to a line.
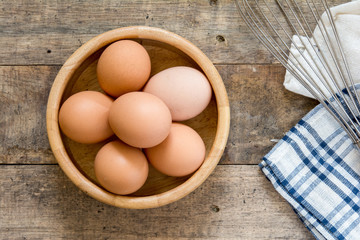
x: 316, y: 168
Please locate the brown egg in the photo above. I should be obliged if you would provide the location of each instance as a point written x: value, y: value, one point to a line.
x: 120, y: 168
x: 180, y: 154
x: 83, y: 117
x: 140, y: 119
x: 186, y: 91
x: 124, y: 66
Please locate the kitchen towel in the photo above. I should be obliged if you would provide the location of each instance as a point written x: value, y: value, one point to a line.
x: 316, y: 168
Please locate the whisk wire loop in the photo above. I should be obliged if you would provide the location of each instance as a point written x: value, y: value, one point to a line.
x: 330, y: 47
x: 316, y: 60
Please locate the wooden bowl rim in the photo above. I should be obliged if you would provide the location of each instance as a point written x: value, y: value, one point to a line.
x: 65, y: 74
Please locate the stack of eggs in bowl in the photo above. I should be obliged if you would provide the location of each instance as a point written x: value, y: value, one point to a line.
x: 143, y: 114
x: 116, y: 119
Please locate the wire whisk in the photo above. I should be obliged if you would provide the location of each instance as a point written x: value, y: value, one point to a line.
x: 303, y: 37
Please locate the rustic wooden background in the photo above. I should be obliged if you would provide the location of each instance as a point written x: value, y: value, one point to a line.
x: 37, y: 201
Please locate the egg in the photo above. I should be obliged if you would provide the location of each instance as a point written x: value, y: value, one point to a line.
x: 83, y: 117
x: 120, y: 168
x: 180, y: 154
x: 140, y: 119
x: 186, y: 91
x: 124, y: 66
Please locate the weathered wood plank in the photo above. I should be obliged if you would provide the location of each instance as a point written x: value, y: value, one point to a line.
x: 236, y: 202
x: 261, y: 110
x: 48, y: 32
x: 23, y: 97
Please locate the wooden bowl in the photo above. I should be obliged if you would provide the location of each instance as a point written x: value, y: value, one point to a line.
x: 79, y: 74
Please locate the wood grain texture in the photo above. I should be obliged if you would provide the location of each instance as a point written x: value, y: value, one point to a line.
x: 236, y: 202
x: 261, y: 110
x: 48, y: 32
x: 23, y: 96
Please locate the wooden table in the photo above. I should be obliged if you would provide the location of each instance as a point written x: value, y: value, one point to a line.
x: 37, y: 201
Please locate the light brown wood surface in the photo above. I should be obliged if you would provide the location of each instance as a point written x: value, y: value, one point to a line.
x: 236, y: 202
x: 37, y: 201
x: 48, y: 32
